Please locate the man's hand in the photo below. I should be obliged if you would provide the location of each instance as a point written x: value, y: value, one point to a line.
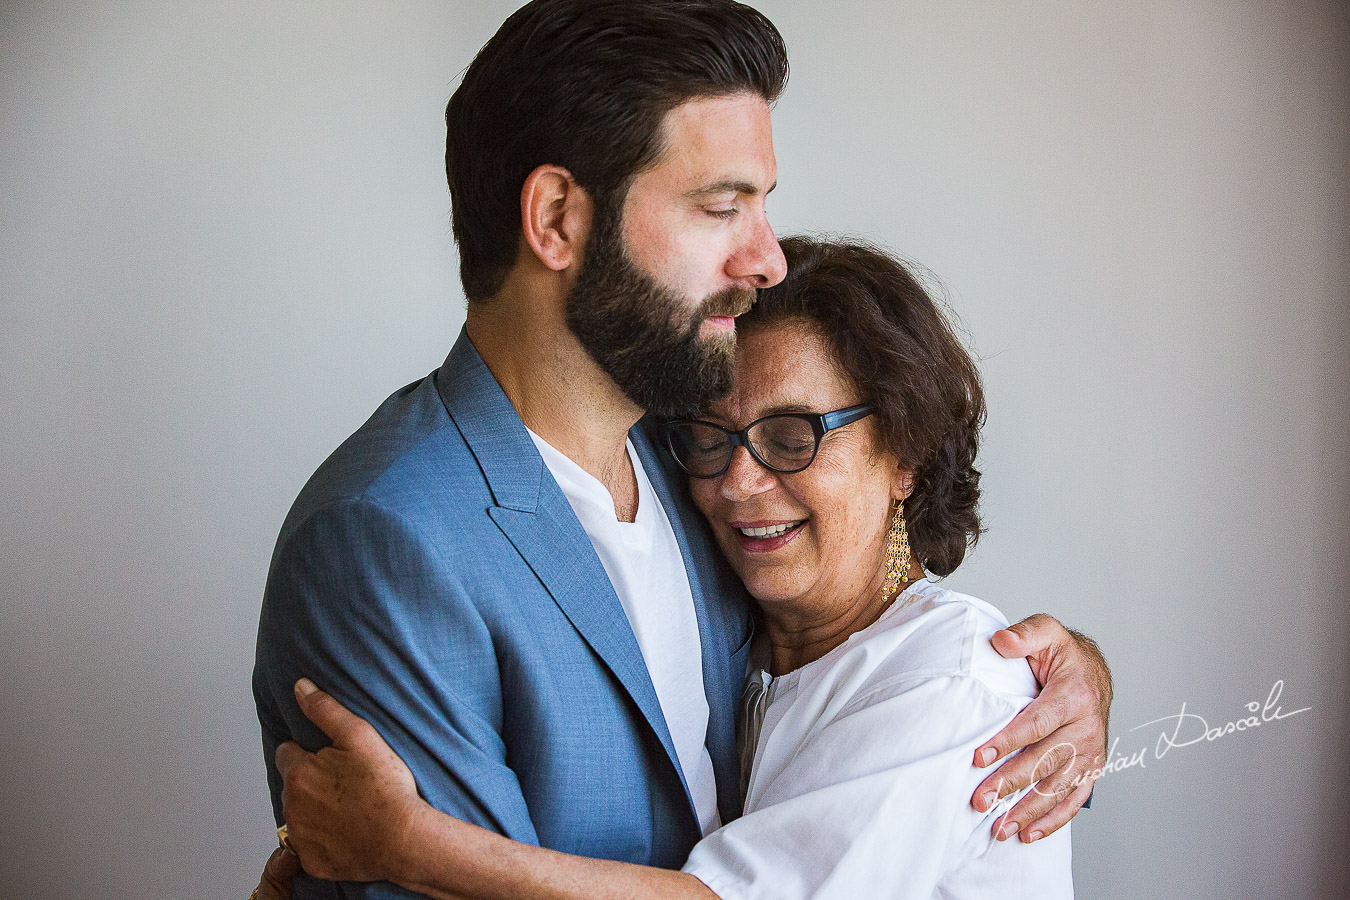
x: 349, y: 806
x: 1062, y: 733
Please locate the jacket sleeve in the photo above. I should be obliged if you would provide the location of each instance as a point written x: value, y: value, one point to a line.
x: 375, y: 613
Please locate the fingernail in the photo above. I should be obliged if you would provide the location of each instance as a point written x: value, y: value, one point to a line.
x: 986, y: 756
x: 1034, y: 836
x: 304, y: 687
x: 1009, y: 829
x: 989, y: 798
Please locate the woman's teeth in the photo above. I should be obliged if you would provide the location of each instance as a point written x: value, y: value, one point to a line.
x: 769, y: 531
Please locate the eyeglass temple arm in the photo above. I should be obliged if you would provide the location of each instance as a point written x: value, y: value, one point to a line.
x: 842, y: 417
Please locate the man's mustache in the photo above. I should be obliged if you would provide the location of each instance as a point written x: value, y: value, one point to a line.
x: 730, y: 302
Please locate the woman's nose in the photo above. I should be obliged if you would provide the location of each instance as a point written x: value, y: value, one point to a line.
x: 745, y: 477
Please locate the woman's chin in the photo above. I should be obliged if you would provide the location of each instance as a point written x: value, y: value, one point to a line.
x: 768, y: 589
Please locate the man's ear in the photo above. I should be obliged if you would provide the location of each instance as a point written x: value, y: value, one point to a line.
x: 555, y: 216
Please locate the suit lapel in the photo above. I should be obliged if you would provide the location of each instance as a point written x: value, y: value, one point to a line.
x: 536, y: 518
x: 557, y: 550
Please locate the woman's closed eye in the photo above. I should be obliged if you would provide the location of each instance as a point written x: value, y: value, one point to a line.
x: 710, y: 445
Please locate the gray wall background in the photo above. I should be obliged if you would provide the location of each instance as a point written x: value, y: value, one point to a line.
x: 224, y: 239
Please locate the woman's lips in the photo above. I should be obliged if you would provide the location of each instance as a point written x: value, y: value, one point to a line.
x: 766, y: 544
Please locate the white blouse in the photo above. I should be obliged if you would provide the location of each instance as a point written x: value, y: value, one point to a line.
x: 861, y: 777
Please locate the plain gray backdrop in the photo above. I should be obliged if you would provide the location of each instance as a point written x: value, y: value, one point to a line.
x: 224, y: 239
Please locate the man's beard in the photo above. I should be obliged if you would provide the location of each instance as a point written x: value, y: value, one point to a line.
x: 632, y: 327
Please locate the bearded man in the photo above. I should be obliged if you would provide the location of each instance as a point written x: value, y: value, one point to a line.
x: 458, y: 572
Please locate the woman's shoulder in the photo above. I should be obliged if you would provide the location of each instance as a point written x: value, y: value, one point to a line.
x: 941, y: 633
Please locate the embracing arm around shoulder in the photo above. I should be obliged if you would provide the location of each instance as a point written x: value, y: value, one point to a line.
x: 845, y: 813
x: 1062, y: 734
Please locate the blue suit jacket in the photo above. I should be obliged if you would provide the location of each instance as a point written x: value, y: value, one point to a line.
x: 432, y: 576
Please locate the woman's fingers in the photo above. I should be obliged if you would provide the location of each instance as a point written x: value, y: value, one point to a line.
x: 343, y: 727
x: 347, y: 805
x: 278, y: 876
x: 281, y: 869
x: 288, y: 756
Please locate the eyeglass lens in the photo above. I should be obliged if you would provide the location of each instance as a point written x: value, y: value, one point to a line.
x: 783, y: 443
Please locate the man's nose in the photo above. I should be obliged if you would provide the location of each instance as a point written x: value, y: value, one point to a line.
x: 745, y: 477
x: 759, y: 261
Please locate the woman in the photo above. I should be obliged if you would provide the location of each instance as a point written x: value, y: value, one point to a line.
x: 838, y: 472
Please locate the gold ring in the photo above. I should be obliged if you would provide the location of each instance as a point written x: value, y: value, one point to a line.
x: 283, y: 835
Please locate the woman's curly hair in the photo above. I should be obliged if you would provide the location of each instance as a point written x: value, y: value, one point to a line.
x: 903, y: 354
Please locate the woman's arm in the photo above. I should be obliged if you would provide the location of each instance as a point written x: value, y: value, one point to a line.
x: 453, y: 860
x: 353, y: 814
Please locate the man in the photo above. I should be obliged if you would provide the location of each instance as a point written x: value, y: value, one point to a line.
x: 459, y: 572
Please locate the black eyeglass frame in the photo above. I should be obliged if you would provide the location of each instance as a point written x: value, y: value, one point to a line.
x: 821, y: 425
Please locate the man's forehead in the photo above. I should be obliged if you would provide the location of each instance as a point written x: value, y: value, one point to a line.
x: 721, y: 144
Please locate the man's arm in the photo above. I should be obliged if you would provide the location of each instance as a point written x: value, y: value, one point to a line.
x: 1061, y: 734
x: 360, y: 602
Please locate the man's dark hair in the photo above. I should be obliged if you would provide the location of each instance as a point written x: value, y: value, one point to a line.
x: 906, y: 360
x: 585, y: 84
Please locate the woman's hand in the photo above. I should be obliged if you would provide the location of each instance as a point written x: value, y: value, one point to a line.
x: 1062, y: 733
x: 353, y: 814
x: 349, y: 807
x: 277, y: 877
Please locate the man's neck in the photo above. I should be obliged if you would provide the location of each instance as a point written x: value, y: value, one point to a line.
x: 557, y: 389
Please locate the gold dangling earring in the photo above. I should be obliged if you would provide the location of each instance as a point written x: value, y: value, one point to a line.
x: 897, y: 552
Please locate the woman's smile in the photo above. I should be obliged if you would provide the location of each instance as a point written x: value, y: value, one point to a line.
x: 767, y: 536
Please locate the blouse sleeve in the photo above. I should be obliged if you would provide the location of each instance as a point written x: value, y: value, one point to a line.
x: 876, y: 803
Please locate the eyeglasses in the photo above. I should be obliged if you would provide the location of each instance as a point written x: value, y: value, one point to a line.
x: 783, y: 443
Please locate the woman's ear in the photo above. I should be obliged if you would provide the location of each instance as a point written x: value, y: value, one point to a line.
x: 903, y: 484
x: 555, y: 216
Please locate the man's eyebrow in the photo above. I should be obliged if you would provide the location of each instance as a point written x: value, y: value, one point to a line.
x: 728, y: 187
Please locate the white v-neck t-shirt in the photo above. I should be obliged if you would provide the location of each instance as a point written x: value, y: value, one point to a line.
x: 644, y: 563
